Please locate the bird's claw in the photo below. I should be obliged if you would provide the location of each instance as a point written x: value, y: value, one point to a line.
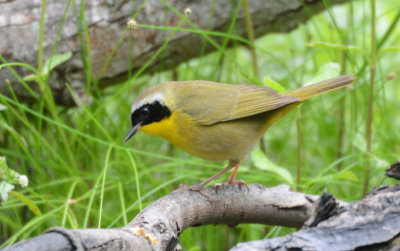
x: 196, y: 188
x: 238, y: 182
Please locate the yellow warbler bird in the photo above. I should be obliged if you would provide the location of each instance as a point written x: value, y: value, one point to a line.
x: 217, y: 121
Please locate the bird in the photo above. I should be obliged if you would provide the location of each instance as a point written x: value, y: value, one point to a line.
x: 217, y: 121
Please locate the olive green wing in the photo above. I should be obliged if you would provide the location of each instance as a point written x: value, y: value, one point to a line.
x: 210, y: 102
x: 252, y: 100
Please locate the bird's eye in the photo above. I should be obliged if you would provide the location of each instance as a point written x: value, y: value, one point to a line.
x: 145, y: 112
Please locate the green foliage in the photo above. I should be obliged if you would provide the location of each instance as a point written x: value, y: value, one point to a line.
x: 3, y: 107
x: 326, y: 71
x: 8, y: 178
x: 49, y: 65
x: 28, y: 202
x: 263, y: 163
x: 274, y: 85
x: 80, y: 175
x: 341, y: 47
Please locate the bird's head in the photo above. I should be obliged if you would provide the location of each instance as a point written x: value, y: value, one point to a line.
x: 150, y: 107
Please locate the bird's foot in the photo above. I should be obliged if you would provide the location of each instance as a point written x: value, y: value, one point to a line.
x: 196, y: 188
x: 237, y: 182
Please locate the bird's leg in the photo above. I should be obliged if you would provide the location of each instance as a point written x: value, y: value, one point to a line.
x: 232, y: 177
x: 200, y: 186
x: 232, y: 164
x: 232, y: 180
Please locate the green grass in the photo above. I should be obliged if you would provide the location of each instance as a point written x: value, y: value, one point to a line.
x: 80, y: 175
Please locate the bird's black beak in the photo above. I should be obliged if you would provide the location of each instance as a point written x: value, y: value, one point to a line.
x: 132, y: 132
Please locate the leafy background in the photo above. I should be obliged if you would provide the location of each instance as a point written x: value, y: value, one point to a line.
x: 80, y: 175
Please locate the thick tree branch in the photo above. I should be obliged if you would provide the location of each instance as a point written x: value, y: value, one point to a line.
x: 106, y: 21
x: 159, y: 225
x: 370, y: 224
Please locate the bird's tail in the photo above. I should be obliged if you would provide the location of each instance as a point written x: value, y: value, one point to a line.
x: 322, y: 87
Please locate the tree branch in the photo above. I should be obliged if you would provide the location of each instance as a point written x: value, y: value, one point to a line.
x: 372, y: 223
x: 159, y: 225
x: 369, y: 224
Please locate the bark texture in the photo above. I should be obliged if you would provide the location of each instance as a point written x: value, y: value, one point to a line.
x: 370, y: 224
x: 114, y: 51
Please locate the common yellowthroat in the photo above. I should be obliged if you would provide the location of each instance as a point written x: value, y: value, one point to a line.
x: 216, y: 121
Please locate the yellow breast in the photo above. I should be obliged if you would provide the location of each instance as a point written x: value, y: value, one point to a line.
x: 171, y: 129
